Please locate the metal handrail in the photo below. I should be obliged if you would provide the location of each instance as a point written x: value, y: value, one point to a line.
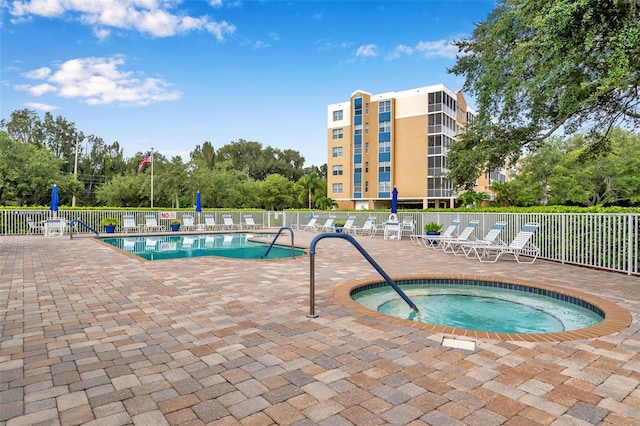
x: 81, y: 223
x: 312, y: 253
x: 293, y: 255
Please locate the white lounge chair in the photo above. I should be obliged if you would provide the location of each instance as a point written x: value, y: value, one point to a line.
x: 129, y: 224
x: 188, y: 222
x: 228, y: 222
x: 209, y: 223
x: 151, y: 224
x: 369, y: 227
x: 392, y: 230
x: 349, y: 226
x: 408, y: 225
x: 520, y: 246
x: 491, y: 238
x: 249, y: 223
x: 453, y: 244
x: 432, y: 240
x: 311, y: 226
x: 328, y: 225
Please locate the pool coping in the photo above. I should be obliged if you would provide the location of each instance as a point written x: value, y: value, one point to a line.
x: 616, y: 318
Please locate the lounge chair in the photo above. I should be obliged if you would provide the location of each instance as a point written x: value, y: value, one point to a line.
x: 328, y: 225
x: 54, y: 227
x: 34, y: 227
x: 349, y: 226
x: 188, y: 222
x: 491, y: 238
x: 228, y: 222
x: 432, y: 240
x: 311, y: 226
x: 249, y: 222
x: 151, y: 224
x: 453, y: 244
x: 209, y: 223
x: 520, y: 246
x: 129, y: 224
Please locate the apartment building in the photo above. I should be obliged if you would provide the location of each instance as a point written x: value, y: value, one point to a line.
x: 396, y: 139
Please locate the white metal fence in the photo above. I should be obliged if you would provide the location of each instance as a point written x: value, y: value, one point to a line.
x: 604, y: 241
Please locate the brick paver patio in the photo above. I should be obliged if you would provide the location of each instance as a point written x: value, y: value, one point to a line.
x: 90, y: 335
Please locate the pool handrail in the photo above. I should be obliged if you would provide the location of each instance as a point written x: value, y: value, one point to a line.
x: 74, y: 221
x: 293, y: 255
x: 312, y: 253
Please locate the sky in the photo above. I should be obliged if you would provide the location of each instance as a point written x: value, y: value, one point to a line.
x: 171, y: 75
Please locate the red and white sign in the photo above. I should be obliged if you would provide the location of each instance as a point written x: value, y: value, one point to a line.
x: 167, y: 215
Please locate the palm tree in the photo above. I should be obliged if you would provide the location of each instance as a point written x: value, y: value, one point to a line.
x: 306, y: 185
x: 326, y: 203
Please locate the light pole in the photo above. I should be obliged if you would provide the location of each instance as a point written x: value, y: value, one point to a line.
x: 151, y: 177
x: 75, y: 173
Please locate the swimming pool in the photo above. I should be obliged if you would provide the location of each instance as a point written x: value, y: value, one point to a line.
x: 533, y: 312
x: 232, y: 245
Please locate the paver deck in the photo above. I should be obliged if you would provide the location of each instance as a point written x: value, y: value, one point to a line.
x: 90, y: 335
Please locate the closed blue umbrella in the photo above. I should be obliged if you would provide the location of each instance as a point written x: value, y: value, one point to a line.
x: 198, y: 202
x: 394, y: 200
x: 54, y: 199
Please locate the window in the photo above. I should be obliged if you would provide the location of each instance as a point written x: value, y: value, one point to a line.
x: 357, y: 106
x: 366, y: 147
x: 337, y: 115
x: 357, y: 168
x: 366, y: 108
x: 366, y: 186
x: 337, y: 170
x: 384, y: 126
x: 384, y: 166
x: 357, y: 187
x: 384, y: 146
x: 337, y: 133
x: 385, y: 106
x: 366, y: 128
x: 366, y: 167
x: 357, y: 129
x: 337, y: 151
x: 337, y: 188
x: 384, y: 186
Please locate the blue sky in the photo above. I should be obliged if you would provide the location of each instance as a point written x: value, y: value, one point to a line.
x: 174, y: 74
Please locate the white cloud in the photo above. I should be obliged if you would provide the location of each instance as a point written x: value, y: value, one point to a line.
x: 260, y: 45
x: 98, y: 81
x: 400, y: 50
x: 367, y: 51
x: 438, y: 48
x: 38, y: 74
x: 153, y: 17
x: 40, y: 107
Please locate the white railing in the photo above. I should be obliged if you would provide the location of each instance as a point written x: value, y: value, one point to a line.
x: 597, y: 240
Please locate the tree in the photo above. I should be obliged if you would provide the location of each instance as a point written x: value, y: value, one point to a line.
x: 326, y: 203
x: 537, y: 67
x: 305, y: 187
x: 276, y: 192
x: 472, y: 198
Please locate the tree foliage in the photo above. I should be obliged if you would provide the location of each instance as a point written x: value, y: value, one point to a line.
x: 539, y: 67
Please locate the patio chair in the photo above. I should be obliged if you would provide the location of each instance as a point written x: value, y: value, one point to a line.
x: 491, y: 238
x: 520, y: 246
x: 311, y: 226
x: 129, y: 224
x: 34, y: 227
x: 228, y: 222
x: 249, y: 222
x: 453, y: 244
x: 392, y: 230
x: 151, y: 224
x: 407, y: 226
x: 54, y: 227
x: 368, y: 227
x: 432, y: 240
x: 188, y: 222
x: 328, y: 225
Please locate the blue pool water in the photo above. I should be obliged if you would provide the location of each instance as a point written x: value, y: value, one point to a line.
x: 474, y: 307
x: 233, y: 245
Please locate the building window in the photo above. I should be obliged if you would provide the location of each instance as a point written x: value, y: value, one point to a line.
x: 357, y: 148
x: 384, y: 186
x: 366, y: 108
x: 384, y: 146
x: 337, y: 115
x: 337, y: 170
x: 384, y: 166
x: 357, y: 187
x: 366, y: 186
x: 337, y: 188
x: 384, y: 127
x: 357, y: 168
x: 366, y: 167
x: 385, y: 106
x: 366, y: 147
x: 337, y: 133
x: 366, y: 128
x: 337, y: 151
x: 357, y: 129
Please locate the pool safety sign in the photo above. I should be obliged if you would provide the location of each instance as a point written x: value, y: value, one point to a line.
x: 167, y: 215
